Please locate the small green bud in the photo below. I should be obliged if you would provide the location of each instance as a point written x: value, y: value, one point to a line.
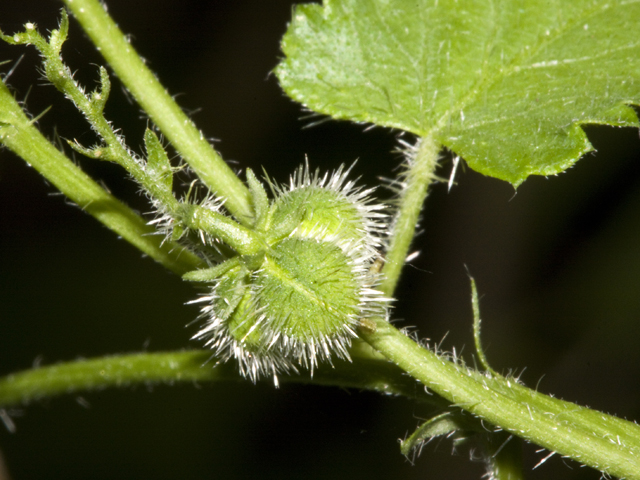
x: 158, y: 165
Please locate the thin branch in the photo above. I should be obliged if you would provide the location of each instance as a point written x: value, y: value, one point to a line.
x: 175, y: 125
x: 18, y: 133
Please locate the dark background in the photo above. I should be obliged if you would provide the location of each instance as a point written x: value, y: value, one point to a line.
x: 557, y: 264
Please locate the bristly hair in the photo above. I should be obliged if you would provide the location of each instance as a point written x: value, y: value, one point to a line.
x: 280, y: 349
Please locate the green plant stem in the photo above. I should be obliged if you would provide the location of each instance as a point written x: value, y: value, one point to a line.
x: 601, y: 424
x: 419, y: 175
x: 601, y: 441
x: 561, y: 427
x: 190, y: 366
x: 92, y: 107
x: 19, y: 134
x: 243, y: 240
x: 165, y: 113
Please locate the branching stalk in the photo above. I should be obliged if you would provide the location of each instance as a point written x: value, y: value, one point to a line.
x: 19, y: 134
x: 155, y: 175
x: 92, y: 107
x: 161, y: 108
x: 561, y: 427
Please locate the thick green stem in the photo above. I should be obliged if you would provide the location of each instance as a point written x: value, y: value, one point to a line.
x: 601, y: 441
x: 243, y: 240
x: 420, y: 173
x: 162, y: 109
x: 19, y: 134
x: 189, y: 366
x: 561, y: 427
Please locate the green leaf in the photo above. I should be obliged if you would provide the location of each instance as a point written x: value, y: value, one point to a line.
x: 158, y: 165
x: 259, y: 199
x: 504, y: 84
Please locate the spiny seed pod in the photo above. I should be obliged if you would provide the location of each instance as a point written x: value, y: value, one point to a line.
x: 297, y: 300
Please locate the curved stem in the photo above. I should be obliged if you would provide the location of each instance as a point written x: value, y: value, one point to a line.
x: 160, y: 106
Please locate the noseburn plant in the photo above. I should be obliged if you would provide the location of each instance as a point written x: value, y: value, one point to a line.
x: 294, y: 280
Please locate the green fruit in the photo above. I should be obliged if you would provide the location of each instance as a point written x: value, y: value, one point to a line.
x: 299, y: 300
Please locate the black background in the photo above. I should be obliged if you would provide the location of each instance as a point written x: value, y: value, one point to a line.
x: 557, y: 263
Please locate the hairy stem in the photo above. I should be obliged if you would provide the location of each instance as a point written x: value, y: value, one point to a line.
x: 189, y: 366
x: 92, y: 107
x: 422, y: 163
x: 601, y: 441
x: 19, y: 134
x: 606, y: 443
x: 163, y: 110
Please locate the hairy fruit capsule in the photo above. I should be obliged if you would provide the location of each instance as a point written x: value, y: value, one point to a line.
x: 298, y: 301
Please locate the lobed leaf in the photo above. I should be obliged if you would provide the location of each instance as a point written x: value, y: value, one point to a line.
x: 505, y: 84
